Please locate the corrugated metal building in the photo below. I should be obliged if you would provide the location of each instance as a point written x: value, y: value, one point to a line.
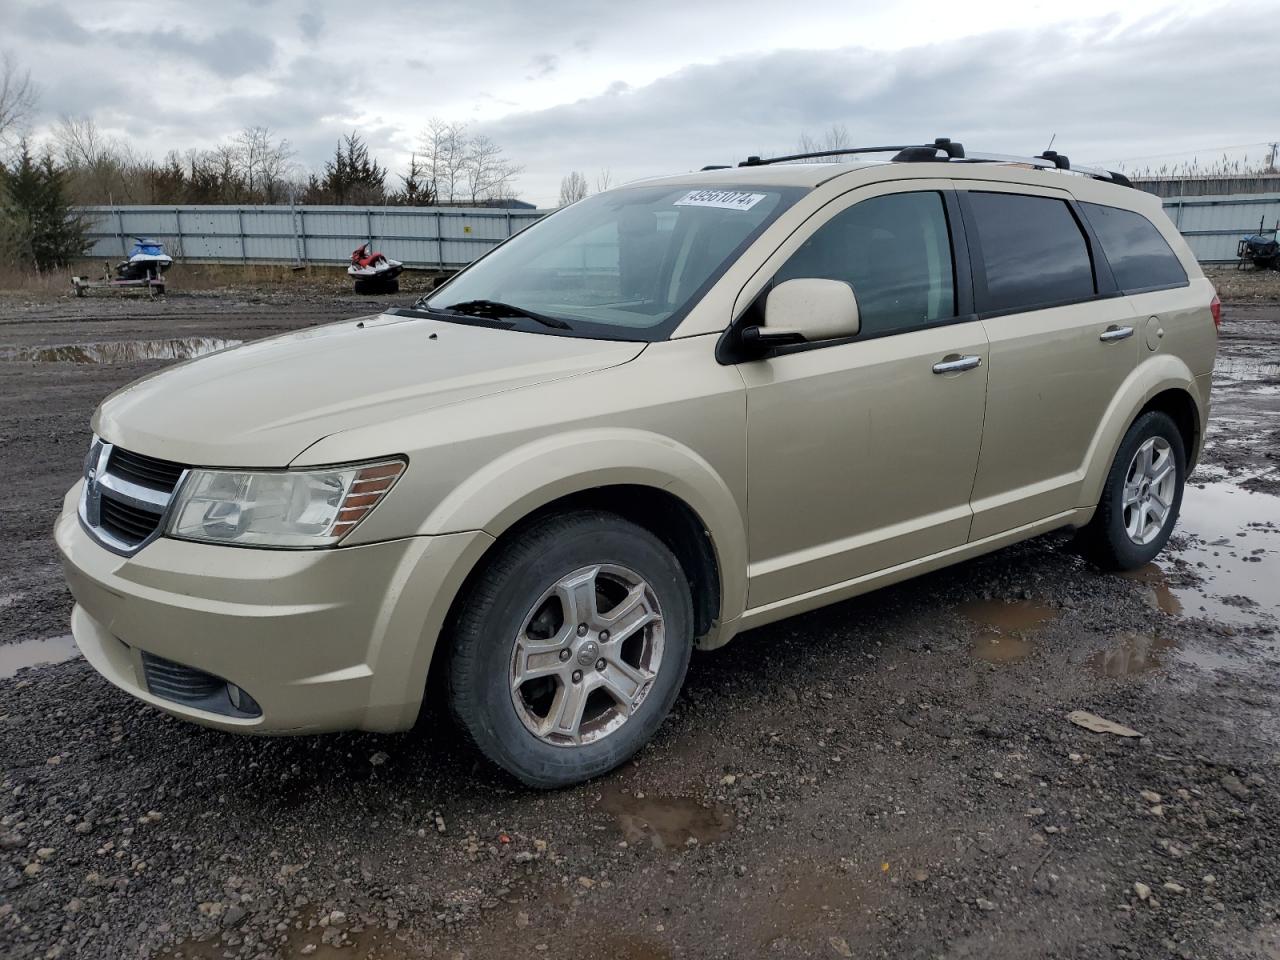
x: 441, y: 237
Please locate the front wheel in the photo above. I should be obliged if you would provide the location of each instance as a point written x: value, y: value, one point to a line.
x: 570, y: 648
x: 1142, y: 496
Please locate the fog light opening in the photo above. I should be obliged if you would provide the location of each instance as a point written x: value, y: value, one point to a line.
x: 242, y: 701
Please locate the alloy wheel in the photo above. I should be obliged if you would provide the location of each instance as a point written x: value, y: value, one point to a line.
x: 1150, y: 485
x: 587, y: 655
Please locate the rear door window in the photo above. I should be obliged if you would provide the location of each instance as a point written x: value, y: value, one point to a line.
x: 1034, y: 252
x: 895, y: 251
x: 1140, y: 257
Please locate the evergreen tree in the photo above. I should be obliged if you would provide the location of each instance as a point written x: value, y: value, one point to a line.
x: 417, y: 191
x: 350, y: 177
x: 39, y: 225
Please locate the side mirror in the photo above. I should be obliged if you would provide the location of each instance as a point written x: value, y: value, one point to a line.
x: 806, y: 310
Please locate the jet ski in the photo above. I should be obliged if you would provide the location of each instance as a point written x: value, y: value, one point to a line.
x: 374, y: 272
x: 147, y: 260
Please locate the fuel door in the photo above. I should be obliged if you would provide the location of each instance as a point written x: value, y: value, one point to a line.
x: 1153, y: 333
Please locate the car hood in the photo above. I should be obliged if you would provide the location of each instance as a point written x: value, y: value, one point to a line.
x: 263, y: 403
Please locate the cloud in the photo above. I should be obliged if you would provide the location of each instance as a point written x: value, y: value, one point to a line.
x: 542, y: 65
x: 661, y: 87
x: 311, y: 23
x: 228, y: 53
x: 1101, y: 90
x: 48, y: 21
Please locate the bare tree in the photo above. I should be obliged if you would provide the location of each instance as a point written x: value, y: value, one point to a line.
x: 262, y: 162
x: 17, y: 99
x: 604, y: 180
x: 835, y: 138
x: 100, y: 169
x: 80, y: 144
x: 488, y: 173
x: 573, y: 187
x: 443, y: 145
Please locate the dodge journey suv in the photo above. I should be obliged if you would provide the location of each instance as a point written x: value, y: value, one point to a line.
x: 661, y: 416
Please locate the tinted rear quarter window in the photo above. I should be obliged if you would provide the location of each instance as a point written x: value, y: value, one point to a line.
x: 1140, y: 257
x: 1034, y: 251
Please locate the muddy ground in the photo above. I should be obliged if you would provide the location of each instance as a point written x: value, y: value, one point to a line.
x: 891, y: 777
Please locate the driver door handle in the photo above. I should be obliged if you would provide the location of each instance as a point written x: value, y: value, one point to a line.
x: 955, y: 364
x: 1114, y: 333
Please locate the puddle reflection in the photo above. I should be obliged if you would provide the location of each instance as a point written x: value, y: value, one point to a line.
x: 120, y: 351
x: 1231, y: 368
x: 1235, y: 548
x: 34, y: 653
x: 1005, y: 624
x: 1162, y: 594
x: 666, y: 823
x: 1130, y: 653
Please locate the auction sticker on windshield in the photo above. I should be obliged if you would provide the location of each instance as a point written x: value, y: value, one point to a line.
x: 724, y: 199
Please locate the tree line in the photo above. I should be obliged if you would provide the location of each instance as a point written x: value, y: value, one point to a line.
x: 78, y: 164
x: 255, y: 166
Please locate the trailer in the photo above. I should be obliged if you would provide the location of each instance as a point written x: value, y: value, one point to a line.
x: 151, y: 281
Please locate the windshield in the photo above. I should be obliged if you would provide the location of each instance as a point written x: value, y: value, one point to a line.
x: 627, y: 264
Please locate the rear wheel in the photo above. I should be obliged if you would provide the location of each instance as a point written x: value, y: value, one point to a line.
x: 376, y: 285
x: 1142, y: 496
x: 569, y: 650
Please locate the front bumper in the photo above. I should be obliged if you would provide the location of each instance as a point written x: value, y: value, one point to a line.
x: 335, y: 639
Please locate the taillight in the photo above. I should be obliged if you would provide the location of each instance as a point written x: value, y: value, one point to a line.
x: 1215, y: 308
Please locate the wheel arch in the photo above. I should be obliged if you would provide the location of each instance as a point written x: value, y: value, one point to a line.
x: 660, y: 512
x: 1163, y: 383
x: 658, y: 484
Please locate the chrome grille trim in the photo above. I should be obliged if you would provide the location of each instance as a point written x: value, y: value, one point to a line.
x: 136, y: 514
x: 136, y: 495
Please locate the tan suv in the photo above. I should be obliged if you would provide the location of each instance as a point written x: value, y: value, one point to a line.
x: 663, y: 415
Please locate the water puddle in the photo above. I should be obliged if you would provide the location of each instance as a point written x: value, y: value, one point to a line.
x: 666, y: 823
x: 1244, y: 369
x: 1129, y: 654
x: 1163, y: 596
x: 1004, y: 627
x: 120, y: 351
x: 34, y: 653
x: 1235, y: 548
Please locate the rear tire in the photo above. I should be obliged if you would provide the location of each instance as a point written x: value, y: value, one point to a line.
x: 531, y: 650
x: 1142, y: 496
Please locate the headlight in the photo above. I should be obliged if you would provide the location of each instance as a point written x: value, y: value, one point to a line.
x: 283, y: 508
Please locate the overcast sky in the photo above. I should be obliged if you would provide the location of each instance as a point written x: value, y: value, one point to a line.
x: 642, y: 88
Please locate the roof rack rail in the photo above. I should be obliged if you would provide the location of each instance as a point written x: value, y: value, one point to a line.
x: 1052, y: 160
x: 907, y: 152
x: 945, y: 150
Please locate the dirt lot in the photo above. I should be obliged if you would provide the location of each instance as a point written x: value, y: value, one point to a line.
x: 892, y: 777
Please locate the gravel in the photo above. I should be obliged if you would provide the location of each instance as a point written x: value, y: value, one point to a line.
x: 853, y: 782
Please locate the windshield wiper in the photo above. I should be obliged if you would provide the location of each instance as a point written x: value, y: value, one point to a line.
x: 496, y: 308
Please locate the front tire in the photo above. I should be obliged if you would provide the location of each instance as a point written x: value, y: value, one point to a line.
x: 569, y: 649
x: 1142, y: 496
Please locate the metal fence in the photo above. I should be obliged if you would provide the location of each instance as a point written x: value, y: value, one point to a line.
x: 440, y: 237
x: 449, y: 237
x: 1213, y: 226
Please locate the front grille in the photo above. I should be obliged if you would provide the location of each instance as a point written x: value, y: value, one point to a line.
x: 126, y: 496
x: 127, y: 523
x: 147, y: 471
x: 196, y: 688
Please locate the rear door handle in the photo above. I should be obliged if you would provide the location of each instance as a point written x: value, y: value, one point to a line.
x: 955, y: 364
x: 1114, y: 333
